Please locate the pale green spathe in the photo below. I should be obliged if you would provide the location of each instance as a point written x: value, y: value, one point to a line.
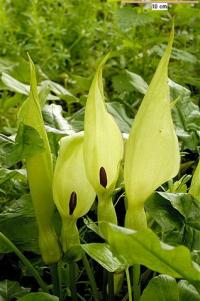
x: 70, y: 176
x: 40, y: 175
x: 103, y: 143
x: 152, y: 151
x: 73, y: 194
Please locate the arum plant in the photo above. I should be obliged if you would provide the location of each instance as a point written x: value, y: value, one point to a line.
x: 152, y: 151
x: 73, y: 194
x: 103, y: 148
x: 40, y: 175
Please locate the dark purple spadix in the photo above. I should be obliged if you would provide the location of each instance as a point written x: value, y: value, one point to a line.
x: 72, y: 202
x: 103, y: 177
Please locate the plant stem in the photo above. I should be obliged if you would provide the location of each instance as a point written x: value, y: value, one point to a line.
x: 25, y: 261
x: 105, y: 211
x: 90, y: 277
x: 136, y: 218
x: 72, y: 273
x: 55, y: 280
x: 69, y: 234
x: 129, y: 285
x: 110, y: 287
x: 59, y: 271
x: 104, y: 288
x: 136, y: 282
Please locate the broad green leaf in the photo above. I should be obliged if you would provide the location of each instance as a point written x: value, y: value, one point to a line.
x: 13, y: 184
x: 8, y: 174
x: 55, y: 122
x: 27, y: 143
x: 128, y: 18
x: 152, y: 151
x: 81, y: 84
x: 161, y: 288
x: 15, y: 85
x: 117, y: 110
x: 137, y: 82
x: 17, y: 222
x: 103, y: 144
x: 165, y: 288
x: 177, y: 54
x: 121, y: 83
x: 186, y: 116
x: 60, y: 91
x: 129, y: 81
x: 171, y: 222
x: 179, y: 217
x: 73, y: 194
x: 187, y: 292
x: 11, y: 289
x: 38, y: 297
x: 77, y: 120
x: 56, y: 126
x: 144, y: 247
x: 102, y: 253
x: 40, y: 175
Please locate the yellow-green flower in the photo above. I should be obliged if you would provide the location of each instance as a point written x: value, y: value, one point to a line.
x: 73, y: 194
x: 152, y: 151
x: 40, y: 175
x: 103, y: 147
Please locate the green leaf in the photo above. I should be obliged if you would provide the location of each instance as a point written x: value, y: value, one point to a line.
x: 144, y: 247
x: 77, y: 120
x: 13, y: 184
x: 117, y: 110
x: 16, y: 174
x: 161, y: 288
x: 177, y: 54
x: 129, y: 81
x: 27, y: 143
x: 60, y: 91
x: 15, y: 85
x: 55, y: 122
x: 178, y: 216
x: 104, y: 256
x: 187, y: 292
x: 56, y: 126
x: 17, y: 222
x: 171, y: 222
x: 38, y: 297
x: 186, y: 116
x: 11, y: 289
x: 165, y: 288
x: 137, y: 82
x: 128, y: 18
x: 121, y: 83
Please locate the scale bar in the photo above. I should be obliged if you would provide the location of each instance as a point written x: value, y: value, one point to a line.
x: 157, y: 1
